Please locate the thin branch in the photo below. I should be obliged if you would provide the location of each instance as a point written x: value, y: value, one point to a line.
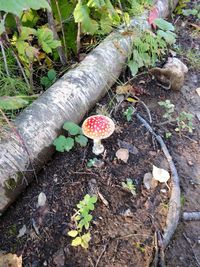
x: 4, y: 58
x: 52, y: 26
x: 191, y: 216
x: 174, y: 203
x: 100, y: 256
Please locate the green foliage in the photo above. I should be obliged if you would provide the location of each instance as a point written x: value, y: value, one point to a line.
x: 91, y: 162
x: 96, y: 16
x: 63, y: 143
x: 15, y: 102
x: 184, y: 121
x: 169, y: 109
x: 48, y: 80
x: 148, y: 47
x: 129, y: 113
x: 168, y: 135
x: 129, y: 186
x: 82, y: 220
x: 17, y: 7
x: 46, y: 40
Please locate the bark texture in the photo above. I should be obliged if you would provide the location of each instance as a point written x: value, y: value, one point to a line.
x: 70, y: 98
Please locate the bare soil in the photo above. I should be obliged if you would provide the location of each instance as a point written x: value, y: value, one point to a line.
x: 122, y: 231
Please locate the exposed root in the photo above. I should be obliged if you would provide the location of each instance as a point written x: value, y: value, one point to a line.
x: 174, y: 203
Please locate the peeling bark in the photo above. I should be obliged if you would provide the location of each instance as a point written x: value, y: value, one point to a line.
x: 70, y: 98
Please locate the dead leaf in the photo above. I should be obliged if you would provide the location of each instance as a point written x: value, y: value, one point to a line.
x: 122, y: 154
x: 22, y: 231
x: 10, y: 260
x: 198, y: 91
x: 160, y: 175
x: 124, y: 89
x: 41, y: 200
x: 148, y: 181
x: 131, y: 148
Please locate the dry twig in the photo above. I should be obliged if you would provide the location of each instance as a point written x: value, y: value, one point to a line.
x: 191, y: 216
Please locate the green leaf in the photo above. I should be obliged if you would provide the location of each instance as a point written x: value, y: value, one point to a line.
x: 26, y: 32
x: 82, y: 140
x: 46, y: 40
x: 163, y: 24
x: 51, y: 74
x: 63, y: 144
x: 73, y: 233
x: 12, y: 102
x: 16, y: 7
x: 133, y: 67
x: 77, y: 241
x: 45, y: 81
x: 81, y: 14
x: 188, y: 12
x: 72, y: 128
x: 169, y: 37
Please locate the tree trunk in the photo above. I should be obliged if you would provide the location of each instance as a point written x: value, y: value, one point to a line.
x: 69, y: 99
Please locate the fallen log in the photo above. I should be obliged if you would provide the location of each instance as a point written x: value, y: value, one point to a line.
x: 29, y: 144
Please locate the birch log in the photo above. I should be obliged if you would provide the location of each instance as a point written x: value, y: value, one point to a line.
x: 30, y: 144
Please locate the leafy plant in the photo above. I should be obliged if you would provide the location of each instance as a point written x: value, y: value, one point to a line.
x: 82, y: 220
x: 169, y: 109
x: 63, y: 143
x: 168, y: 135
x: 129, y: 186
x: 129, y: 113
x: 184, y: 121
x: 15, y: 102
x: 91, y: 162
x: 48, y: 80
x: 149, y: 46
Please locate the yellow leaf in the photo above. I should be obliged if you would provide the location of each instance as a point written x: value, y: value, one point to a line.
x: 77, y: 241
x: 132, y: 100
x: 73, y: 233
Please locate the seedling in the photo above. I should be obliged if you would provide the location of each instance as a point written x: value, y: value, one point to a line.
x: 129, y: 186
x: 184, y: 121
x: 48, y: 80
x: 91, y: 162
x: 169, y: 109
x: 168, y: 135
x: 63, y: 143
x: 82, y: 219
x: 129, y: 113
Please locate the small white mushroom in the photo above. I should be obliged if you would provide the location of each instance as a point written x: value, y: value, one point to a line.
x: 98, y: 127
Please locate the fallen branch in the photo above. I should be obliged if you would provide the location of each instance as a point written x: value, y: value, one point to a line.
x: 191, y: 216
x: 174, y: 202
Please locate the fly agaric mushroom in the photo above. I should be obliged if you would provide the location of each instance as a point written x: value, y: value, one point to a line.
x: 98, y: 127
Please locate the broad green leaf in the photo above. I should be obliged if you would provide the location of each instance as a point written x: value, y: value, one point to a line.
x: 133, y: 67
x: 82, y: 140
x: 93, y: 199
x: 96, y: 3
x: 112, y: 13
x: 51, y: 74
x: 45, y: 81
x: 26, y: 32
x: 46, y: 40
x: 73, y: 233
x: 63, y: 144
x: 29, y: 18
x: 12, y: 102
x: 81, y: 14
x: 72, y: 128
x: 169, y: 37
x: 163, y: 24
x: 77, y: 241
x: 188, y: 12
x: 17, y: 7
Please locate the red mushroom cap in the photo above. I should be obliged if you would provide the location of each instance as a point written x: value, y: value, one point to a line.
x: 98, y: 127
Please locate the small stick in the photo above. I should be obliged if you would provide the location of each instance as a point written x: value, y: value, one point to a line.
x: 191, y: 216
x: 4, y: 58
x: 100, y: 256
x: 174, y: 203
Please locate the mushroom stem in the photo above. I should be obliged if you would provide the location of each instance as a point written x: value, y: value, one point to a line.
x: 98, y: 148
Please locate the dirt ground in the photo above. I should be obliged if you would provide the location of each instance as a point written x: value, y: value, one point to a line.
x: 123, y: 228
